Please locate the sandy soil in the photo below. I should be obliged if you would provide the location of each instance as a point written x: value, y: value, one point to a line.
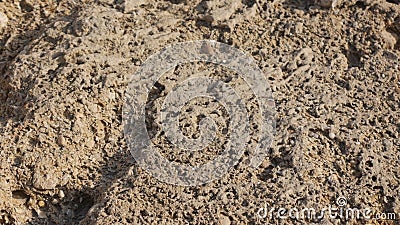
x: 334, y: 72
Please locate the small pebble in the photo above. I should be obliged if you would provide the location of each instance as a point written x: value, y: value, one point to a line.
x: 332, y: 135
x: 45, y: 178
x: 41, y: 203
x: 41, y: 214
x: 90, y: 143
x: 3, y: 20
x: 224, y: 220
x: 61, y: 141
x: 61, y: 194
x: 389, y: 39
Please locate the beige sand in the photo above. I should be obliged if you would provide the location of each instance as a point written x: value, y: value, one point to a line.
x: 333, y: 67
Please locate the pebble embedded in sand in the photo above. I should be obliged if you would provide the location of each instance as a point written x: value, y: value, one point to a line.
x: 61, y: 141
x: 389, y: 39
x: 332, y: 135
x: 3, y: 20
x: 90, y: 143
x: 45, y: 179
x: 224, y: 220
x: 41, y: 204
x: 41, y: 214
x: 61, y: 194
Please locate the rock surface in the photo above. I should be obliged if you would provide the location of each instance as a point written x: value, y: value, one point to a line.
x: 65, y: 66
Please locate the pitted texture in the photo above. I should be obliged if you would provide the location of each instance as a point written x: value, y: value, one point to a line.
x: 334, y: 73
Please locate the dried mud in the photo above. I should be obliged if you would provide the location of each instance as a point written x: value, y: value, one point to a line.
x: 333, y: 67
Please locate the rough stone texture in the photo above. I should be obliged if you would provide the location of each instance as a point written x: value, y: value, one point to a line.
x: 3, y: 20
x: 65, y: 65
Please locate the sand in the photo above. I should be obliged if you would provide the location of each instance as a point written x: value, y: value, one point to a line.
x: 333, y: 70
